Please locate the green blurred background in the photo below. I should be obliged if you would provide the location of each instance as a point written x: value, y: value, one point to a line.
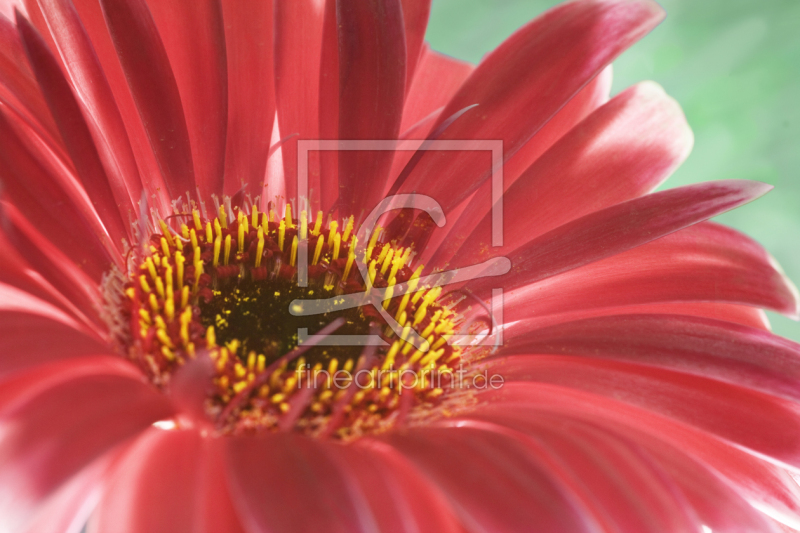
x: 734, y: 66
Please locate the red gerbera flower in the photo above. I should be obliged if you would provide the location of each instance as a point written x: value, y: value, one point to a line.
x: 154, y: 300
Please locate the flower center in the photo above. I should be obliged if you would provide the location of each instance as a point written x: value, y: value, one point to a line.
x: 228, y: 286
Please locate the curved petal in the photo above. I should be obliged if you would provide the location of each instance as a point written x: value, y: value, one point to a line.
x: 168, y: 481
x: 17, y: 84
x: 494, y: 483
x: 705, y: 262
x: 109, y: 202
x: 79, y: 294
x: 619, y: 228
x: 372, y: 79
x: 154, y: 88
x: 437, y: 80
x: 94, y: 93
x: 287, y: 483
x: 40, y: 197
x: 766, y: 425
x: 623, y: 150
x: 28, y: 340
x: 640, y: 483
x: 524, y: 82
x: 59, y: 418
x: 15, y: 271
x: 740, y: 355
x: 91, y: 15
x: 194, y: 39
x: 415, y: 22
x: 298, y: 57
x: 445, y: 241
x: 765, y: 486
x: 343, y: 488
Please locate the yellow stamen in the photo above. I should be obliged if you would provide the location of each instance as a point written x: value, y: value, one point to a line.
x: 304, y: 224
x: 337, y: 243
x: 293, y: 258
x: 281, y: 234
x: 217, y: 248
x: 260, y: 248
x: 166, y: 232
x: 288, y: 216
x: 318, y: 250
x: 332, y: 230
x: 165, y: 247
x: 254, y: 216
x: 211, y: 337
x: 179, y: 266
x: 198, y: 225
x: 227, y: 249
x: 317, y: 224
x: 241, y: 232
x: 348, y: 228
x: 223, y: 218
x: 143, y: 282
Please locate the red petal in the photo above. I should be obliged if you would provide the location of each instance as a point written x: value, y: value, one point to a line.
x: 69, y: 508
x: 286, y: 483
x: 493, y: 482
x: 680, y: 491
x: 623, y: 150
x: 40, y: 197
x: 60, y: 418
x: 706, y: 262
x: 194, y: 38
x: 154, y: 88
x: 298, y: 54
x: 251, y: 93
x: 91, y: 14
x: 524, y: 82
x: 109, y: 204
x: 18, y: 86
x: 445, y: 241
x: 740, y: 355
x: 28, y: 340
x: 76, y: 292
x: 437, y: 79
x: 169, y: 481
x: 766, y: 425
x: 372, y: 71
x: 94, y: 93
x: 765, y: 486
x: 621, y: 227
x: 399, y: 496
x: 415, y: 22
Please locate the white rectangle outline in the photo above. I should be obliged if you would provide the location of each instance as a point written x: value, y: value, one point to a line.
x: 304, y: 146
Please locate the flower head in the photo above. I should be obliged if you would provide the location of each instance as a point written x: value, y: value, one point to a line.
x: 211, y: 320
